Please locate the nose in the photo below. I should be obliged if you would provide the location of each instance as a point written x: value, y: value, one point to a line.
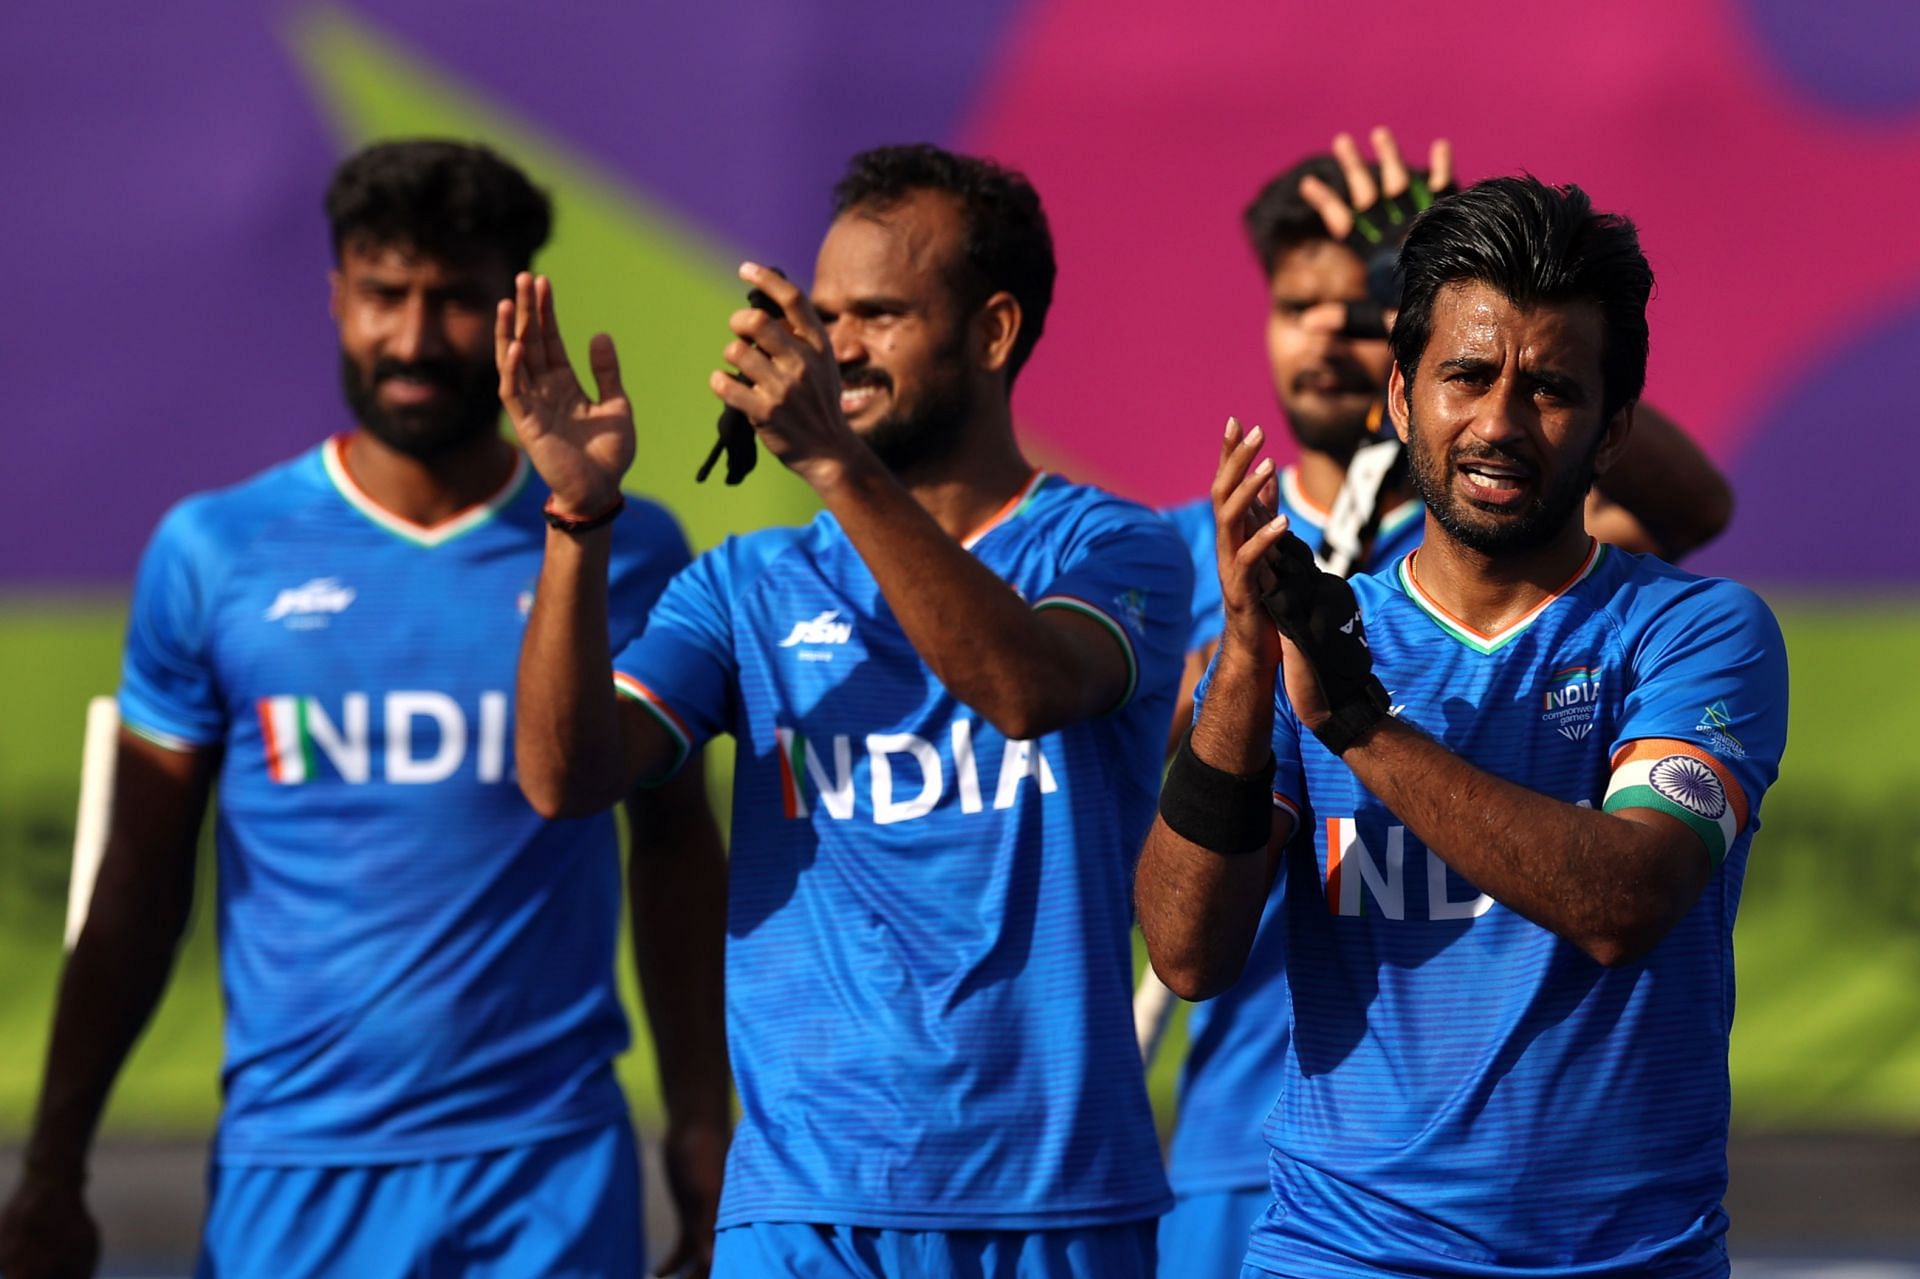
x: 1502, y: 415
x: 843, y: 339
x: 417, y: 332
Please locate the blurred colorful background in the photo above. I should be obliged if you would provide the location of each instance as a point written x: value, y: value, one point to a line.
x: 168, y: 333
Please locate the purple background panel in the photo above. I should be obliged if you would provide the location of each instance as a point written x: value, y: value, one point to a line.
x: 1845, y: 56
x: 171, y: 246
x: 1826, y: 490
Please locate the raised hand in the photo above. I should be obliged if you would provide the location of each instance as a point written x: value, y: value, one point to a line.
x: 794, y: 397
x: 582, y: 448
x: 1378, y: 212
x: 1375, y: 223
x: 1245, y: 531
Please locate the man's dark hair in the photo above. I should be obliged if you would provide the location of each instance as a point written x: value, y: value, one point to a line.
x: 1536, y: 244
x: 446, y: 200
x: 1278, y: 220
x: 1008, y: 246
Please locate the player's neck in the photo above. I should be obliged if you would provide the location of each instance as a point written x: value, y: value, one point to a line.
x: 1319, y: 477
x: 1492, y: 592
x: 428, y: 493
x: 965, y: 492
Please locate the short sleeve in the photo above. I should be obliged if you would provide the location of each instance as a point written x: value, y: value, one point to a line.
x: 1205, y: 620
x: 1289, y: 776
x: 1709, y: 671
x: 649, y: 548
x: 682, y: 668
x: 168, y: 690
x: 1132, y: 575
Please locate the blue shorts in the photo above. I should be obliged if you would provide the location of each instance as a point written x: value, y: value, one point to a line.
x: 768, y: 1250
x: 567, y: 1206
x: 1204, y: 1236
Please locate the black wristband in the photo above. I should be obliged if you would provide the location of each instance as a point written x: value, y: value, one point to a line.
x: 1222, y: 812
x: 568, y: 524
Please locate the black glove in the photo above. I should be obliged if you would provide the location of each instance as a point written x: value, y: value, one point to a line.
x: 736, y: 432
x: 1317, y: 611
x: 1378, y: 232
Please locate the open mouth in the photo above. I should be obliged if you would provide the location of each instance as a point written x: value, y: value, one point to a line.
x: 410, y: 390
x: 856, y: 399
x: 1495, y: 483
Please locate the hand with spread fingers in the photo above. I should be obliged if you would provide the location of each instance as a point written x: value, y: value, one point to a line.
x: 1374, y: 219
x: 792, y: 388
x: 581, y: 447
x: 1282, y: 608
x: 1245, y: 493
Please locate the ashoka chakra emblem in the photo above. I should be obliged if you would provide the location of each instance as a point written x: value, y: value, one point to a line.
x: 1691, y: 784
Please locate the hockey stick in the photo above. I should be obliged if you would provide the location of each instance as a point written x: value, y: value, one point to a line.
x: 96, y: 800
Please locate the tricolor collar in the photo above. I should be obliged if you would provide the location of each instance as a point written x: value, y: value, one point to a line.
x: 333, y: 456
x: 1311, y: 513
x: 1480, y: 641
x: 1016, y: 504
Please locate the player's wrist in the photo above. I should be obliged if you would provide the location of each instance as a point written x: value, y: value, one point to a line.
x: 51, y: 1169
x: 574, y: 520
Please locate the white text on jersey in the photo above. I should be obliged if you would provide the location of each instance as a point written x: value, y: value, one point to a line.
x: 425, y: 738
x: 830, y: 781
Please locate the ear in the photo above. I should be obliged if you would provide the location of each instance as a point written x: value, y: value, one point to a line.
x: 1397, y: 407
x: 336, y: 293
x: 997, y: 327
x: 1613, y: 440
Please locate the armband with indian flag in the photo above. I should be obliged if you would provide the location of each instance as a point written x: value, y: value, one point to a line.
x: 1681, y: 780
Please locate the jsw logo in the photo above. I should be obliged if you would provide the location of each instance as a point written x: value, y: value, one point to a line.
x: 820, y: 630
x: 425, y: 737
x: 808, y: 778
x: 321, y: 595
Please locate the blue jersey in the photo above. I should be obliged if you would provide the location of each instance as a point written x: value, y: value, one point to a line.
x: 1468, y: 1093
x: 928, y: 961
x: 416, y: 965
x: 1237, y: 1041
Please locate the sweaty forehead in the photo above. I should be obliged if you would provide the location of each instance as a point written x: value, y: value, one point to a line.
x: 1472, y: 320
x: 906, y: 250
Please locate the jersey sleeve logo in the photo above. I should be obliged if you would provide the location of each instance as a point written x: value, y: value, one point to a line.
x: 1689, y: 783
x: 1716, y: 725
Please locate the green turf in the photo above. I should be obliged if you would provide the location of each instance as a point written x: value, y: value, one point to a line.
x: 1828, y: 1032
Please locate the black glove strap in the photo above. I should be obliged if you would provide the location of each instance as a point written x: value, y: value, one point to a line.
x: 1350, y: 721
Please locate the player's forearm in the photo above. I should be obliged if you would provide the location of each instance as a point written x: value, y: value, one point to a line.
x: 109, y: 989
x: 1610, y: 886
x: 567, y: 745
x: 1199, y: 907
x: 677, y: 876
x: 1667, y: 486
x: 983, y: 642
